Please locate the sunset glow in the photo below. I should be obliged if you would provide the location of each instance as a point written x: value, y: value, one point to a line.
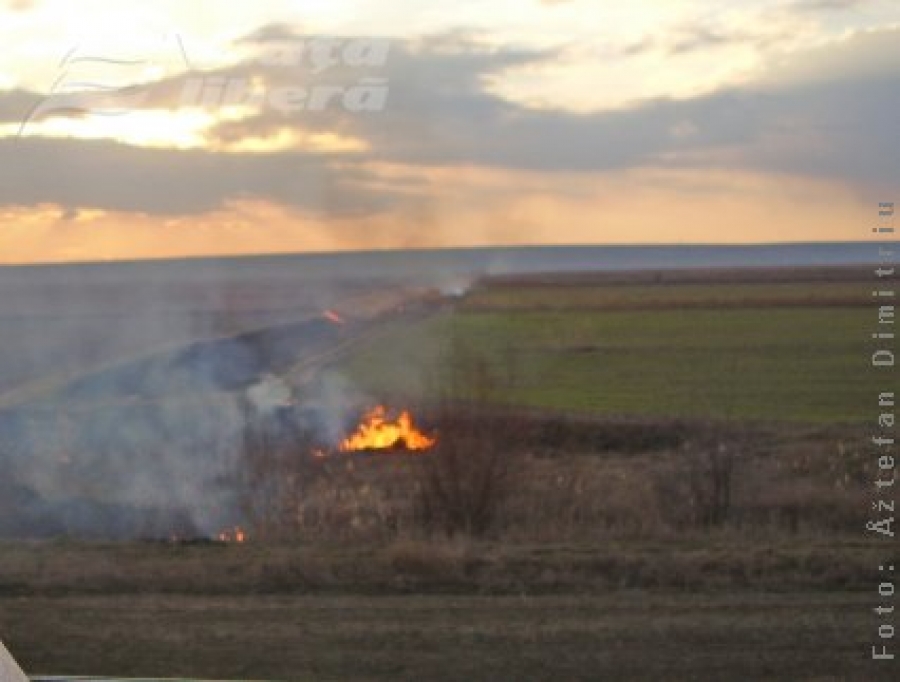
x: 131, y: 131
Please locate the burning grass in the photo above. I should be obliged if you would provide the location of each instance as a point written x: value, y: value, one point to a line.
x: 378, y: 431
x: 236, y: 534
x: 525, y: 478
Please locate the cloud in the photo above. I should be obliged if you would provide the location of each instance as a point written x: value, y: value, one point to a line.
x: 820, y: 113
x: 823, y: 112
x: 16, y: 104
x: 113, y: 176
x: 826, y: 5
x: 703, y: 38
x: 272, y: 33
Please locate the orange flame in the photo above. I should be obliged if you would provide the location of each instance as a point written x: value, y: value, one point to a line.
x: 236, y: 534
x: 377, y: 432
x: 332, y: 316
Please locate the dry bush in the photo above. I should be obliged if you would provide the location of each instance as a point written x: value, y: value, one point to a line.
x: 356, y: 498
x: 729, y: 480
x: 464, y: 481
x: 838, y: 461
x: 796, y: 505
x: 584, y: 497
x: 793, y: 493
x: 711, y: 467
x: 696, y: 484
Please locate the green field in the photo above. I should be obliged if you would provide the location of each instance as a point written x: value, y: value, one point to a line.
x: 555, y: 295
x: 787, y: 351
x: 798, y: 364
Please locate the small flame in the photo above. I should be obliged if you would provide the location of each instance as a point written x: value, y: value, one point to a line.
x: 377, y: 432
x: 332, y: 316
x: 236, y: 534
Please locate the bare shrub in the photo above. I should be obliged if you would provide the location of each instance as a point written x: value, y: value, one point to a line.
x: 694, y: 487
x: 799, y: 492
x: 711, y: 475
x: 464, y: 481
x: 355, y: 499
x: 584, y: 497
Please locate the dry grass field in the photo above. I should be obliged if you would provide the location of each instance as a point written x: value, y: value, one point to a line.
x: 621, y: 635
x: 701, y: 609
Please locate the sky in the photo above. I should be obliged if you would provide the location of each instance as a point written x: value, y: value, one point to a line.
x: 136, y: 130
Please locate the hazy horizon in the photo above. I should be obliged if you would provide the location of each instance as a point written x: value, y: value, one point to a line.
x: 526, y: 258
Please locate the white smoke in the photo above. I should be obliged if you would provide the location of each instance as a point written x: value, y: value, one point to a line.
x: 270, y: 394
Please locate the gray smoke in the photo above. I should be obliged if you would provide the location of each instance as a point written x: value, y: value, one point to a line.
x: 127, y: 391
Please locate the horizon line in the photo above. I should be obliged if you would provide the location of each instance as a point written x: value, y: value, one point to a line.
x: 189, y: 258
